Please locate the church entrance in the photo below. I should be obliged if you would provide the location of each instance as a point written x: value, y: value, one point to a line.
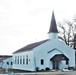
x: 55, y: 65
x: 57, y: 59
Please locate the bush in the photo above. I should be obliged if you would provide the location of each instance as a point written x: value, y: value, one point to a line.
x: 42, y: 70
x: 71, y: 68
x: 47, y: 68
x: 37, y: 68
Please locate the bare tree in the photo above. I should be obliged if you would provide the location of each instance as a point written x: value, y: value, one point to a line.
x: 67, y: 32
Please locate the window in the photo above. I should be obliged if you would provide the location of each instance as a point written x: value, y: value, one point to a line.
x: 20, y: 59
x: 42, y: 61
x: 11, y: 63
x: 66, y: 62
x: 27, y: 56
x: 27, y: 59
x: 7, y: 63
x: 15, y: 60
x: 23, y: 59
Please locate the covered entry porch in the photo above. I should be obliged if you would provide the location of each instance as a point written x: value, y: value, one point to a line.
x: 56, y: 61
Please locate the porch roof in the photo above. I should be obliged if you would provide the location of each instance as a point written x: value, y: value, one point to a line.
x: 59, y: 57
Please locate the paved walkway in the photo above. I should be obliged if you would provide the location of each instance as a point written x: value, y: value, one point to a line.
x: 47, y: 73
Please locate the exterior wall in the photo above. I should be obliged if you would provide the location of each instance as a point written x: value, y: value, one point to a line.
x: 1, y: 63
x: 19, y: 64
x: 45, y: 51
x: 63, y: 64
x: 7, y: 63
x: 53, y: 35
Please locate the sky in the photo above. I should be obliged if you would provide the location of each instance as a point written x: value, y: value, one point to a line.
x: 27, y: 21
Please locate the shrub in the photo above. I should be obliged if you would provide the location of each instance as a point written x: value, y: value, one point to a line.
x: 47, y: 68
x: 37, y: 68
x: 42, y: 70
x: 71, y: 68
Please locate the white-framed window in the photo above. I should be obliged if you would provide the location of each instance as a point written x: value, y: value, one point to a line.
x: 7, y: 63
x: 11, y: 63
x: 15, y: 60
x: 42, y: 61
x: 20, y: 59
x: 26, y: 59
x: 23, y: 59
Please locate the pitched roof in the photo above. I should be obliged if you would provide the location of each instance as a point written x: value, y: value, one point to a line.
x: 3, y: 57
x: 53, y: 26
x: 30, y: 46
x: 59, y: 57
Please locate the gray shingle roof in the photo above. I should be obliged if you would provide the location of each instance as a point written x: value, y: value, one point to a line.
x: 59, y: 57
x: 53, y: 26
x: 3, y: 57
x: 30, y: 46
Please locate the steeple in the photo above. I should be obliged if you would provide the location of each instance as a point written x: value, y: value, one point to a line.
x: 53, y: 32
x: 53, y: 26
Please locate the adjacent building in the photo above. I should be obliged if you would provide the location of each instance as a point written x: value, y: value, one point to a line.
x: 6, y: 61
x: 50, y: 53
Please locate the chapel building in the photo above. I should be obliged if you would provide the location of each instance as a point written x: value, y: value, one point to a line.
x: 50, y: 53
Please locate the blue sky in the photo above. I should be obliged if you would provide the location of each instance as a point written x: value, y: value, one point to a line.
x: 27, y: 21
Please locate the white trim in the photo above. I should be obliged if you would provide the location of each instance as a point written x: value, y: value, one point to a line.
x: 55, y: 49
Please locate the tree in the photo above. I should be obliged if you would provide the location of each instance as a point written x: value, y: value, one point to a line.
x: 67, y: 32
x: 74, y: 42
